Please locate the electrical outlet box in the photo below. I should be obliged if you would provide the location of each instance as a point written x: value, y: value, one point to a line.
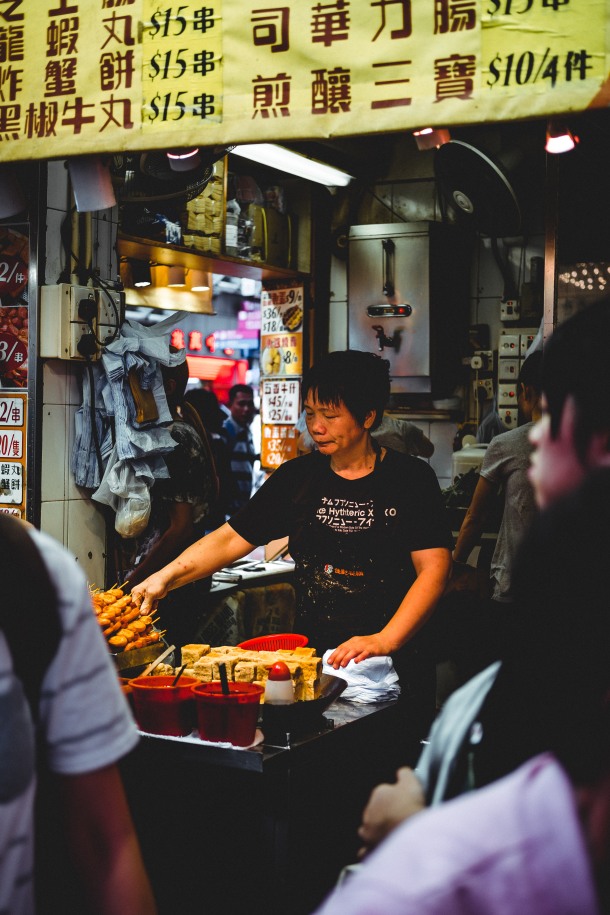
x: 509, y: 417
x: 508, y: 346
x: 507, y: 395
x: 482, y: 360
x: 525, y: 341
x: 508, y: 369
x: 510, y: 310
x: 61, y: 327
x: 483, y: 384
x: 110, y: 314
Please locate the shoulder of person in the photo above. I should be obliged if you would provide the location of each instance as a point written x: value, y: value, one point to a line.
x: 304, y: 465
x: 506, y: 441
x: 401, y: 462
x: 182, y: 431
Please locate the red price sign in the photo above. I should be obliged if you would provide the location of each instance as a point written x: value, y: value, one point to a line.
x: 13, y: 275
x: 13, y: 353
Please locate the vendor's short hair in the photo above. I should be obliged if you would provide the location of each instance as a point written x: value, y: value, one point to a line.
x: 358, y: 380
x: 577, y: 364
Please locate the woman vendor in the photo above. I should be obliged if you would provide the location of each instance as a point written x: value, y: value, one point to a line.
x: 367, y: 531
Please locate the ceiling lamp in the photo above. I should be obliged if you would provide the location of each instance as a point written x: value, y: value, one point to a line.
x: 199, y: 281
x: 91, y: 184
x: 559, y: 138
x: 293, y: 163
x: 175, y: 277
x: 183, y: 160
x: 140, y: 273
x: 431, y: 137
x: 12, y: 200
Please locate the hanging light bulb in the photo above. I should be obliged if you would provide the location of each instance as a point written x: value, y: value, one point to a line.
x: 199, y: 281
x: 559, y: 138
x: 175, y: 277
x: 183, y: 160
x: 140, y: 272
x: 431, y: 137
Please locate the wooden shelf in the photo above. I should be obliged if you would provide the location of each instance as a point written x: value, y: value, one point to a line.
x: 158, y: 253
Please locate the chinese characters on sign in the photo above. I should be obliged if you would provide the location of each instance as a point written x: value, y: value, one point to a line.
x: 282, y: 331
x: 281, y: 370
x: 280, y: 401
x: 131, y: 74
x: 13, y: 411
x: 182, y: 65
x: 278, y: 444
x: 14, y: 259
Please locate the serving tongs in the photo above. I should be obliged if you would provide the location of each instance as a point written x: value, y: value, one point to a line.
x: 158, y: 660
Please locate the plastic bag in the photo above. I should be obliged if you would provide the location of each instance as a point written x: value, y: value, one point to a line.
x: 127, y: 491
x: 133, y: 512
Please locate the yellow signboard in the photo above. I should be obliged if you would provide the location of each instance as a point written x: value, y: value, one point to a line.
x: 278, y: 444
x: 83, y: 76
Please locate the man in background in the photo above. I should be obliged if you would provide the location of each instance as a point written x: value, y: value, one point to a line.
x: 238, y: 436
x: 504, y: 473
x: 403, y: 436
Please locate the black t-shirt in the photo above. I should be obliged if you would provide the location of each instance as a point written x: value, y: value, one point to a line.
x: 351, y: 540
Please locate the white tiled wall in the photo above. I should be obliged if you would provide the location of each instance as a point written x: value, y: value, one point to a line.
x: 67, y: 511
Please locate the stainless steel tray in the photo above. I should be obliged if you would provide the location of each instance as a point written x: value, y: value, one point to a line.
x: 132, y: 663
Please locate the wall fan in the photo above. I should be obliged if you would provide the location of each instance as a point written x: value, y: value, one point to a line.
x: 477, y: 189
x: 147, y: 177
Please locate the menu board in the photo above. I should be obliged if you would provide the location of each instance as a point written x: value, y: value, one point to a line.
x: 282, y: 331
x: 13, y: 423
x: 278, y: 444
x: 97, y: 76
x: 14, y: 313
x: 282, y: 316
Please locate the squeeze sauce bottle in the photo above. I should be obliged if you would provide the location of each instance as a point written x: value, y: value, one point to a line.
x: 279, y: 688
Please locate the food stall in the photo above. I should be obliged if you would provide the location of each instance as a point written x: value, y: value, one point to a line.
x: 270, y: 826
x: 267, y: 828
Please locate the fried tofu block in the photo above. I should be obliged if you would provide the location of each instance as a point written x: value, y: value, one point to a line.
x: 204, y: 669
x: 244, y: 672
x: 311, y: 689
x: 192, y: 653
x: 262, y: 670
x: 229, y: 663
x: 312, y: 667
x: 304, y: 651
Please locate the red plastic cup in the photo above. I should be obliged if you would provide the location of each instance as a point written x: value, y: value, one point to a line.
x: 228, y: 719
x: 161, y: 708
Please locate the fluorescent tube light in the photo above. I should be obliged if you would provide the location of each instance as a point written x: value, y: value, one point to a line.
x: 293, y: 163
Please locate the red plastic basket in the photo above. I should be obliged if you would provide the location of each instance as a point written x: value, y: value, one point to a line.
x: 286, y: 640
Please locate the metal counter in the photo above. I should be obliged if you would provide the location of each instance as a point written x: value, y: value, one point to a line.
x: 263, y: 830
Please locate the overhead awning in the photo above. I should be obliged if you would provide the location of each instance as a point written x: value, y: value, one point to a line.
x: 80, y: 76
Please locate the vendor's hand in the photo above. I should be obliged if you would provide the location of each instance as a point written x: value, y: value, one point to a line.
x: 388, y: 807
x: 149, y: 592
x: 358, y: 648
x: 464, y: 577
